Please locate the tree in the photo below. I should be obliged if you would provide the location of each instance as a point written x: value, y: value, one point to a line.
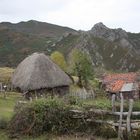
x: 81, y: 66
x: 59, y: 59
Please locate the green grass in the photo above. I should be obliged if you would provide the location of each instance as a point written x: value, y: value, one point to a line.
x: 7, y: 105
x: 3, y: 135
x: 98, y: 103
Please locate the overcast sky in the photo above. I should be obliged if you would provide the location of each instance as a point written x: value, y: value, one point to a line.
x: 77, y: 14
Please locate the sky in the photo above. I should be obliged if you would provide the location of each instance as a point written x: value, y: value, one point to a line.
x: 77, y: 14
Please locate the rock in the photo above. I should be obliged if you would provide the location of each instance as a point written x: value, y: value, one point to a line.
x: 100, y: 30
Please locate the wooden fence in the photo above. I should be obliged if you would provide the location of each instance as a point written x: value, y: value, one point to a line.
x: 83, y: 93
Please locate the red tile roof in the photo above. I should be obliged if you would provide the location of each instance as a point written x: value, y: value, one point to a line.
x: 114, y: 82
x: 115, y: 86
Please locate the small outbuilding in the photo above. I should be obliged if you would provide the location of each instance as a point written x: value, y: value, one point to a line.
x: 130, y: 91
x: 125, y: 83
x: 39, y: 74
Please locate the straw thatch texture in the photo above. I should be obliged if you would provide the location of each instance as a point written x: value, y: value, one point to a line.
x: 38, y: 71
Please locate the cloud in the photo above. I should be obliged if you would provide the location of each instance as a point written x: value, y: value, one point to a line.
x: 77, y: 14
x: 29, y: 8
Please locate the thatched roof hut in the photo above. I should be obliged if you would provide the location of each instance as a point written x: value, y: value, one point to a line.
x: 36, y: 72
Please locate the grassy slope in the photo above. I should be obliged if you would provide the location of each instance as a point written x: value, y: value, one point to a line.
x: 67, y: 44
x: 5, y: 74
x: 17, y: 41
x: 38, y: 28
x: 15, y: 46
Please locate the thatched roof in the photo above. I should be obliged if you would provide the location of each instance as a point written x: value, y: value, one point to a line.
x: 38, y: 71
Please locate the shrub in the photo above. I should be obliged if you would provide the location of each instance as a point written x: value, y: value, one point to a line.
x: 73, y: 100
x: 135, y: 135
x: 3, y: 123
x: 103, y: 105
x: 45, y: 115
x: 106, y: 131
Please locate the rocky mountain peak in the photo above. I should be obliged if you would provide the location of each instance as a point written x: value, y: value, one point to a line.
x: 102, y: 31
x: 99, y: 25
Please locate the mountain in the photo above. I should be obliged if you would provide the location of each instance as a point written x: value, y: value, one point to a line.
x: 112, y: 49
x: 19, y: 40
x: 33, y: 27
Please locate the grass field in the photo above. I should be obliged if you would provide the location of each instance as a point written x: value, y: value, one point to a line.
x: 7, y: 105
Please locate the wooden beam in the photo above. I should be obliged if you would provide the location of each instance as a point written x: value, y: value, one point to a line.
x: 136, y: 113
x: 106, y: 112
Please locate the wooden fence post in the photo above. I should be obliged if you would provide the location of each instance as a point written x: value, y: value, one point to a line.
x: 0, y: 87
x: 113, y: 103
x: 128, y: 123
x: 120, y: 134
